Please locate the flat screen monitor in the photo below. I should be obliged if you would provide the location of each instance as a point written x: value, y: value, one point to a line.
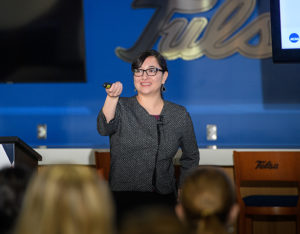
x: 42, y: 41
x: 285, y: 25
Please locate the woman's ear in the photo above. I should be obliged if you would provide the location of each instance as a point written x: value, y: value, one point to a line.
x: 233, y: 214
x: 164, y: 78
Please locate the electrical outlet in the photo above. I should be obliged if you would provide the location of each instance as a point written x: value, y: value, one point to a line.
x: 211, y: 132
x: 42, y: 131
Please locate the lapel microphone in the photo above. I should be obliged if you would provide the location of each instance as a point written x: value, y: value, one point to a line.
x: 160, y: 120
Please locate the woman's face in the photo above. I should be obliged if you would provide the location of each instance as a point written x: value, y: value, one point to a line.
x: 149, y: 84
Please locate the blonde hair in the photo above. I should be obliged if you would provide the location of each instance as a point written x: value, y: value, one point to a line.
x: 66, y: 200
x: 207, y: 197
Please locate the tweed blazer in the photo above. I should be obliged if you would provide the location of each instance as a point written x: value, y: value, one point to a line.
x: 140, y: 145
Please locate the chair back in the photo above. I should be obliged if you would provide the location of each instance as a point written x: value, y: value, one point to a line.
x: 102, y: 161
x: 269, y: 182
x: 267, y: 166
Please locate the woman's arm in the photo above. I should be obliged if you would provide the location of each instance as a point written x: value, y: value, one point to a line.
x: 105, y: 120
x: 111, y: 101
x: 190, y: 151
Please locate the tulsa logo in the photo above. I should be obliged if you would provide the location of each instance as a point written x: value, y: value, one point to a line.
x: 294, y: 37
x: 219, y: 37
x: 266, y: 165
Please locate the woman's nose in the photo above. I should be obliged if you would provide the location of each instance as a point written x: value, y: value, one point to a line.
x: 144, y: 76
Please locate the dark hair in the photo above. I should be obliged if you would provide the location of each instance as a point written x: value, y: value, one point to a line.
x: 13, y: 184
x: 137, y: 63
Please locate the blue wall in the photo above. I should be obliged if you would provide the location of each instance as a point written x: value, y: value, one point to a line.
x: 253, y: 102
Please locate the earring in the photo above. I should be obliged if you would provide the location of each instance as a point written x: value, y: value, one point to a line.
x: 163, y: 88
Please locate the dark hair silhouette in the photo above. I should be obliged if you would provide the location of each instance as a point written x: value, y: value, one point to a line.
x: 13, y: 184
x: 137, y: 63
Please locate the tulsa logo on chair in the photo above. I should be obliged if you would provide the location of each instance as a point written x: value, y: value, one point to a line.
x: 266, y: 165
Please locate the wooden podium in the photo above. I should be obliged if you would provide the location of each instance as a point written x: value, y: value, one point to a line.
x: 19, y: 153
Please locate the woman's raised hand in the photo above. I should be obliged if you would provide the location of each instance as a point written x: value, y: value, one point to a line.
x: 115, y: 90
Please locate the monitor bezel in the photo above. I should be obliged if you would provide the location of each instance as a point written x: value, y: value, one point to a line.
x: 280, y: 55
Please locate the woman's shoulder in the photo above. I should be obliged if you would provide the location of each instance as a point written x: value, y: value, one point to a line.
x: 174, y: 106
x: 128, y: 104
x: 127, y: 100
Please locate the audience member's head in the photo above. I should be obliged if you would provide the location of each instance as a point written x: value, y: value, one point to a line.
x: 13, y: 183
x: 207, y: 203
x: 66, y: 200
x: 152, y: 220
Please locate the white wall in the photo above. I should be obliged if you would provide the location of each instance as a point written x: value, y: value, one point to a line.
x: 219, y: 157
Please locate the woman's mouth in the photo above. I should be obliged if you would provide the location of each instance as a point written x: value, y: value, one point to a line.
x: 145, y: 83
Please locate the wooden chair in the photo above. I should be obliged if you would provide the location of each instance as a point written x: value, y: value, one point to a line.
x: 102, y: 160
x: 266, y: 169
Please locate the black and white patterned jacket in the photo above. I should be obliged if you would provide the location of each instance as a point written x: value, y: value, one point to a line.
x: 140, y: 144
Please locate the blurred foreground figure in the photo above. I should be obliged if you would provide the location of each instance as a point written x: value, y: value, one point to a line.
x: 207, y: 203
x: 152, y: 220
x: 66, y: 200
x: 13, y: 183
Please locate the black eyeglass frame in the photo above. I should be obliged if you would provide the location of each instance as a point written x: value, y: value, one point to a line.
x: 146, y: 70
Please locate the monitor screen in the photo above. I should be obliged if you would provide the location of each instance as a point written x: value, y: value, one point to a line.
x: 285, y: 24
x: 42, y: 41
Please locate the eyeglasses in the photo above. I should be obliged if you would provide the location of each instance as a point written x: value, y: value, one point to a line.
x: 150, y: 71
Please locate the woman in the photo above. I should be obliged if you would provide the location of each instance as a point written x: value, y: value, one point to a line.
x: 207, y: 204
x: 145, y: 133
x: 66, y: 199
